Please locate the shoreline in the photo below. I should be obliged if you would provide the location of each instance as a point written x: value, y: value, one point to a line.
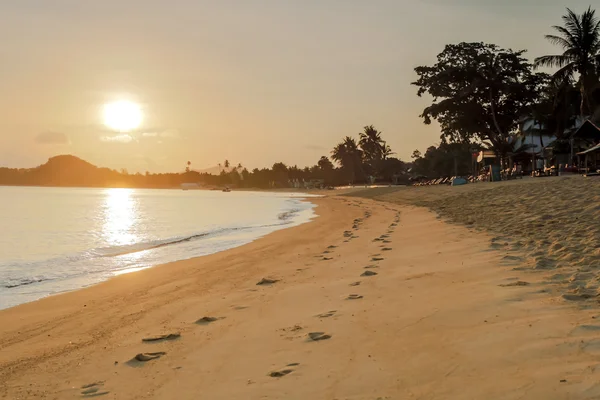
x: 442, y: 316
x: 30, y: 288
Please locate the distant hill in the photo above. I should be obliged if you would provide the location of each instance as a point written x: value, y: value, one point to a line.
x: 63, y: 170
x: 68, y: 170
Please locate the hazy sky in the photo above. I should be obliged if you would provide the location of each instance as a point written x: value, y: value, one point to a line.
x: 252, y: 81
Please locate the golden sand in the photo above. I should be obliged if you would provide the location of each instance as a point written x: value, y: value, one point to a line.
x: 550, y: 225
x: 439, y: 316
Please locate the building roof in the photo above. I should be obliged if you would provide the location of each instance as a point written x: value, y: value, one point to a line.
x: 590, y: 150
x: 533, y: 143
x: 588, y: 130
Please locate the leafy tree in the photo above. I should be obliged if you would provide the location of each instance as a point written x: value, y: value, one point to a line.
x: 391, y: 167
x: 580, y: 41
x: 325, y: 164
x: 480, y: 91
x: 187, y: 169
x: 324, y: 170
x: 443, y: 161
x: 280, y: 173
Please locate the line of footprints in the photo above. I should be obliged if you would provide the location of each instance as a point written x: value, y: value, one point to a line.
x: 97, y: 389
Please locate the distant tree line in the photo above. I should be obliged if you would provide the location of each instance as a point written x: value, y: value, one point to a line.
x: 367, y: 160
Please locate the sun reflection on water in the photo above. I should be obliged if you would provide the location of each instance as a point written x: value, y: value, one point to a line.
x: 120, y: 210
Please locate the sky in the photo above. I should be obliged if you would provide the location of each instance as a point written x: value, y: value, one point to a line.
x: 255, y: 82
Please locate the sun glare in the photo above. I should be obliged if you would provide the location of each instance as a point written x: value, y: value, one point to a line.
x: 122, y: 116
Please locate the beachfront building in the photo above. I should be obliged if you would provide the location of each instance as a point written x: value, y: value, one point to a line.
x: 585, y: 137
x: 585, y: 143
x: 529, y: 146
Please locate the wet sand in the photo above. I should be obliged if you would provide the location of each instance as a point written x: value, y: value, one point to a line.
x: 372, y: 300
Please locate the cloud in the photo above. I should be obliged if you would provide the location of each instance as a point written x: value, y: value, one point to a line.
x: 165, y: 133
x: 123, y: 138
x: 52, y: 138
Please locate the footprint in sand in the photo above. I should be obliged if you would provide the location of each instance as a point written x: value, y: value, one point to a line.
x: 267, y: 281
x: 95, y: 389
x: 327, y: 259
x: 355, y: 283
x: 517, y: 283
x: 577, y: 297
x: 387, y: 241
x: 347, y: 233
x: 327, y: 314
x: 371, y: 267
x: 377, y: 239
x: 317, y: 336
x: 354, y: 297
x: 142, y: 358
x: 332, y: 247
x: 326, y: 252
x: 160, y: 338
x: 386, y: 249
x: 208, y: 320
x: 279, y: 374
x: 369, y: 273
x: 377, y: 259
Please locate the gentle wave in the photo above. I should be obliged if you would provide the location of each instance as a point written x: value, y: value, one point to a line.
x: 116, y: 251
x: 10, y: 284
x: 101, y: 233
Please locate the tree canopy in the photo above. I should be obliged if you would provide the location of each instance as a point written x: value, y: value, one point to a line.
x: 480, y: 92
x: 579, y: 38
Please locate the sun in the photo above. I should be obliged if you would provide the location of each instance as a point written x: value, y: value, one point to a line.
x: 123, y: 115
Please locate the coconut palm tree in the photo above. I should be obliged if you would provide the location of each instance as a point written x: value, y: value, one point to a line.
x: 371, y: 144
x: 580, y: 40
x: 348, y: 154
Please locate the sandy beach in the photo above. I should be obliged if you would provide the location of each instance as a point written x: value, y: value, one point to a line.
x: 372, y: 300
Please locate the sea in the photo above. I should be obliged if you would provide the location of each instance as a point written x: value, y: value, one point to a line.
x: 54, y: 240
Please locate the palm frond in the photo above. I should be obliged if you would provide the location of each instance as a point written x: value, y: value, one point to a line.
x: 573, y: 24
x: 566, y: 34
x: 552, y: 61
x: 559, y: 41
x: 564, y: 74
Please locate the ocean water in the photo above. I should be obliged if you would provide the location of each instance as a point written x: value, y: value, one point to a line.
x: 54, y: 240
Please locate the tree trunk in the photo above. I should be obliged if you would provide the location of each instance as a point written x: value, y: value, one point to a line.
x: 582, y: 105
x: 496, y: 125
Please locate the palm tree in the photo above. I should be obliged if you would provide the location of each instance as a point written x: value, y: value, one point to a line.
x: 371, y: 144
x: 187, y: 169
x: 349, y: 156
x: 580, y: 40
